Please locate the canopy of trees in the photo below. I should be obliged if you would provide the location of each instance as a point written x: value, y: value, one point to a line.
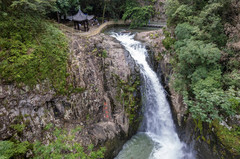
x: 206, y: 69
x: 199, y: 47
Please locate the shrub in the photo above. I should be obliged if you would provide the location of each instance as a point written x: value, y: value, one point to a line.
x: 65, y: 146
x: 32, y: 51
x: 168, y: 41
x: 139, y: 15
x: 9, y: 149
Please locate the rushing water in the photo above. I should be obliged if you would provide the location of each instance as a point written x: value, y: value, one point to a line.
x: 158, y: 139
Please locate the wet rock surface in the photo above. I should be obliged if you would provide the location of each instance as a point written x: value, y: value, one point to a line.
x: 93, y: 64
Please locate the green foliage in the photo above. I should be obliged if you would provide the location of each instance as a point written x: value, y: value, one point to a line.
x: 168, y: 41
x: 178, y: 13
x: 104, y: 54
x: 232, y: 79
x: 40, y: 6
x: 210, y: 104
x: 200, y: 18
x: 18, y: 127
x: 113, y: 9
x: 198, y: 53
x: 127, y: 98
x: 22, y: 7
x: 9, y: 149
x: 196, y: 56
x: 186, y: 31
x: 65, y: 6
x: 139, y: 16
x: 209, y: 91
x: 65, y: 146
x: 230, y: 138
x: 33, y: 51
x: 77, y: 129
x: 48, y: 126
x: 198, y: 68
x: 214, y: 32
x: 6, y: 149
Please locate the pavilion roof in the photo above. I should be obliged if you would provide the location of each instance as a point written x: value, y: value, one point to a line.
x: 80, y: 16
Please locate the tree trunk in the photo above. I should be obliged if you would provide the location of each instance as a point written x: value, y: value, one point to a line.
x: 58, y: 17
x: 104, y: 9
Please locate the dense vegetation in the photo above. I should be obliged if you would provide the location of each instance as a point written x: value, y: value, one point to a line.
x: 63, y: 145
x: 110, y: 9
x: 139, y: 15
x: 32, y: 49
x: 207, y: 82
x: 207, y: 71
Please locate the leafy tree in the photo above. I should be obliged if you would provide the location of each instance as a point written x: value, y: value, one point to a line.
x: 211, y: 24
x: 9, y: 149
x: 200, y: 35
x: 64, y: 7
x: 187, y: 31
x: 202, y: 14
x: 33, y: 7
x: 168, y: 41
x: 210, y: 101
x: 193, y: 54
x: 139, y: 16
x: 232, y: 78
x: 178, y: 13
x: 113, y: 8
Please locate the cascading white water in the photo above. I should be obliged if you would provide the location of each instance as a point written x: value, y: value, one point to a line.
x: 159, y: 139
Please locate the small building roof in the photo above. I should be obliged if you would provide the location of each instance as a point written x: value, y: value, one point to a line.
x: 80, y: 16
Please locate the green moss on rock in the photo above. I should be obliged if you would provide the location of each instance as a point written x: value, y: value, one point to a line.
x: 229, y: 138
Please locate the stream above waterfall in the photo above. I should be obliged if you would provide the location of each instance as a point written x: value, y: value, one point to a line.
x: 157, y: 137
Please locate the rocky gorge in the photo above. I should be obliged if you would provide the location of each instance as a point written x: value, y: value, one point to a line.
x: 109, y: 83
x: 104, y: 108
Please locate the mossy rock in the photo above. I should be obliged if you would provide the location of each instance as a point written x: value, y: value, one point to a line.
x: 229, y: 138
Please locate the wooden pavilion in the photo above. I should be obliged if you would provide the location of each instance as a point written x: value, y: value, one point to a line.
x: 81, y: 18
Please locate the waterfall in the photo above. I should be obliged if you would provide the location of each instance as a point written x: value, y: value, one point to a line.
x: 159, y: 139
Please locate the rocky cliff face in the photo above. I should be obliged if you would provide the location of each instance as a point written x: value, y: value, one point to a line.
x: 96, y: 64
x: 159, y: 6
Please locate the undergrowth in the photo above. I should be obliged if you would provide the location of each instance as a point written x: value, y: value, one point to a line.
x: 33, y: 50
